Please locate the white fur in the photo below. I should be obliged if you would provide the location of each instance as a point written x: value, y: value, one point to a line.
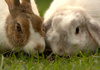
x: 65, y: 16
x: 34, y: 40
x: 70, y: 21
x: 55, y: 34
x: 3, y: 15
x: 91, y: 6
x: 34, y: 7
x: 70, y: 17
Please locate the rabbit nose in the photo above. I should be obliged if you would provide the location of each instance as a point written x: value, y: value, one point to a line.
x: 38, y: 47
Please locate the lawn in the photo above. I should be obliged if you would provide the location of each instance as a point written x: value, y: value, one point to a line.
x: 35, y: 62
x: 22, y: 61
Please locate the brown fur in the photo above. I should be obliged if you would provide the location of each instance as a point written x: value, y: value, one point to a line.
x: 14, y: 37
x: 38, y: 47
x: 37, y: 25
x: 20, y: 14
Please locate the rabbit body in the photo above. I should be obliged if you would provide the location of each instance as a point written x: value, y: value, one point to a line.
x: 92, y: 7
x: 4, y: 13
x: 72, y: 26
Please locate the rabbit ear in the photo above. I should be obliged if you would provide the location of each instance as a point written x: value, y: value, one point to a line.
x: 13, y: 4
x: 47, y: 24
x: 27, y: 4
x: 24, y: 1
x: 94, y: 29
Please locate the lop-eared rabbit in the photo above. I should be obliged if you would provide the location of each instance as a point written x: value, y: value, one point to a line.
x: 21, y: 27
x: 72, y: 26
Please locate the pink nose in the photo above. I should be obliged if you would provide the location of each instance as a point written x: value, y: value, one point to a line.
x: 38, y: 47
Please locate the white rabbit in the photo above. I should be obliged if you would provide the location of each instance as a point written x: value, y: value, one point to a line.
x: 72, y: 28
x: 91, y: 6
x: 20, y: 28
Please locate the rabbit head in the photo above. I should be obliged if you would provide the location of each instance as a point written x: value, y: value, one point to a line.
x: 71, y: 30
x: 24, y: 28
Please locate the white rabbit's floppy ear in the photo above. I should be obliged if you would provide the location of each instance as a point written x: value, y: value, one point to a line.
x: 94, y: 29
x: 47, y: 24
x: 25, y: 1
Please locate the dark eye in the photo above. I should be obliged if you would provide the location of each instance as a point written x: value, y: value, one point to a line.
x: 18, y: 27
x: 77, y: 30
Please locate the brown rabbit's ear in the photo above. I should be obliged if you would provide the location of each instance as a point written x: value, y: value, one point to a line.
x: 27, y: 4
x: 13, y: 5
x: 94, y: 29
x: 24, y: 1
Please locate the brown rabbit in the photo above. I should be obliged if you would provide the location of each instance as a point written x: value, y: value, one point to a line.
x: 20, y: 27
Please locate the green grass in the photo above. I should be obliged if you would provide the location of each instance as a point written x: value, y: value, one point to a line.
x: 43, y: 5
x: 29, y: 62
x: 26, y: 62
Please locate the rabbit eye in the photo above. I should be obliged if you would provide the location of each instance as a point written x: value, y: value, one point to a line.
x: 18, y: 27
x: 77, y: 30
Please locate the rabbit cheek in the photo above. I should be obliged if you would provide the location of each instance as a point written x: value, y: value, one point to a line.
x: 36, y: 41
x: 15, y: 38
x: 37, y: 25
